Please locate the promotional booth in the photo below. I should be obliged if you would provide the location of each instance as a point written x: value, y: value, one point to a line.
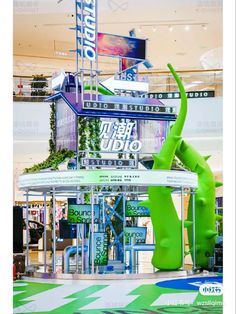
x: 106, y: 195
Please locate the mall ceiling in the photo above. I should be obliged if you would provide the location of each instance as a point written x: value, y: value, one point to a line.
x: 187, y: 33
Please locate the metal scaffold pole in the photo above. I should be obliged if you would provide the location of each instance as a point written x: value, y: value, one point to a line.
x: 54, y: 233
x: 45, y: 232
x: 27, y: 228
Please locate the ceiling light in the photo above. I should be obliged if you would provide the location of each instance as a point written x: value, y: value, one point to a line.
x: 187, y: 28
x: 204, y: 27
x: 154, y: 28
x: 171, y: 28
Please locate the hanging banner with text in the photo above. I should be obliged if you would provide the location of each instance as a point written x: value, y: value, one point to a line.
x: 87, y: 29
x: 133, y: 209
x: 82, y: 214
x: 100, y: 249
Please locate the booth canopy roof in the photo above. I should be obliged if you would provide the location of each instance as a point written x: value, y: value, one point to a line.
x: 70, y: 99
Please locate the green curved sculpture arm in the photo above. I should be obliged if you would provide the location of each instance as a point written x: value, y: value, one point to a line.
x: 205, y: 218
x: 101, y: 90
x: 166, y: 224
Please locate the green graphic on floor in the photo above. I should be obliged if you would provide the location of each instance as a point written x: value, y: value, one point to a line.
x: 110, y: 297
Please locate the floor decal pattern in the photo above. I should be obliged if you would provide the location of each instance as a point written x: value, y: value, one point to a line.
x: 109, y: 297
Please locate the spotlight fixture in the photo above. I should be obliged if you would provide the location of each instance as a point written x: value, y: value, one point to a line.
x: 171, y: 28
x: 187, y: 28
x: 154, y: 29
x: 204, y: 27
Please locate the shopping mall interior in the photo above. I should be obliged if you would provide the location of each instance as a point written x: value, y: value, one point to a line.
x: 117, y: 156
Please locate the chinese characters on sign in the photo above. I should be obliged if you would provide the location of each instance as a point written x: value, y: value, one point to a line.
x: 116, y: 137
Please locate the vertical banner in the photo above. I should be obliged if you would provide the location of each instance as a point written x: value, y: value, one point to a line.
x: 87, y: 29
x: 100, y: 249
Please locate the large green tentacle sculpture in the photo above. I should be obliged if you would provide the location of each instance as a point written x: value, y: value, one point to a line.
x: 205, y: 218
x: 166, y: 224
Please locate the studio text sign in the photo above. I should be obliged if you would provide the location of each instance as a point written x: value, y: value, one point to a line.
x: 140, y: 108
x: 108, y: 163
x: 88, y: 18
x: 176, y: 95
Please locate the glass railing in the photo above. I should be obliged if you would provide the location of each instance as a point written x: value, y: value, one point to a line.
x: 196, y: 80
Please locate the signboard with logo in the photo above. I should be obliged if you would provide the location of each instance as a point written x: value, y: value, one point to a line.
x: 100, y: 249
x: 133, y: 209
x: 62, y: 179
x: 126, y: 107
x: 108, y: 163
x: 66, y: 127
x: 88, y: 33
x: 118, y: 136
x: 176, y: 95
x: 126, y: 81
x: 137, y: 233
x: 82, y: 214
x: 121, y: 46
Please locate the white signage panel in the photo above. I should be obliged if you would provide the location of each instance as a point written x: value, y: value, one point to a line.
x: 61, y: 179
x: 113, y: 84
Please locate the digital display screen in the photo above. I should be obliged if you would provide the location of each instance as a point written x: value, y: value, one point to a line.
x: 121, y: 47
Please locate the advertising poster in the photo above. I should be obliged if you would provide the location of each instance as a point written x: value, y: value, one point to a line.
x: 82, y: 213
x: 66, y: 127
x: 133, y: 209
x: 100, y: 249
x: 152, y: 134
x: 121, y: 47
x: 137, y: 233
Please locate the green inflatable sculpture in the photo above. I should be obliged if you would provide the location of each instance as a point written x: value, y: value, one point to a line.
x: 166, y: 223
x: 205, y: 218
